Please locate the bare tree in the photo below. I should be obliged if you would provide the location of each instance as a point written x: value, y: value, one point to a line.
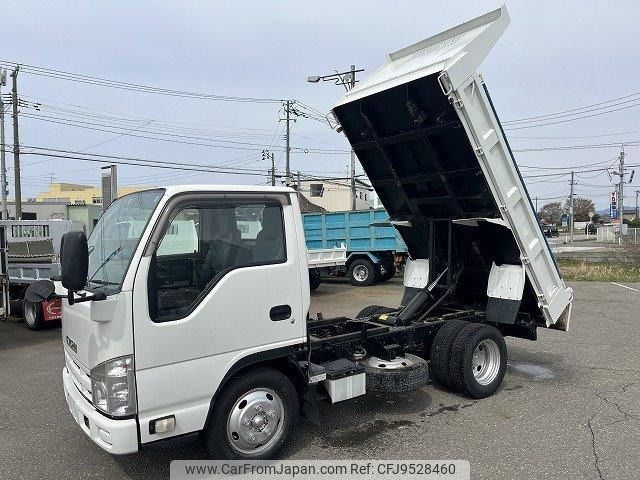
x: 581, y: 208
x: 551, y: 213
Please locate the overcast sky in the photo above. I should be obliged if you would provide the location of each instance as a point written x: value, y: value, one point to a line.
x: 554, y: 56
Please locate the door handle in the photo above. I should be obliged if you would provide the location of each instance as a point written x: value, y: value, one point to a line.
x: 280, y: 312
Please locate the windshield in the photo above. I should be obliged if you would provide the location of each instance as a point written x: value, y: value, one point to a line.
x: 115, y: 238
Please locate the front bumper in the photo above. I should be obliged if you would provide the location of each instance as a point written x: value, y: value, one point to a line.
x: 115, y: 436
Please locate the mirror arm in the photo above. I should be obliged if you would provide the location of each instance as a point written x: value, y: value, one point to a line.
x: 96, y: 296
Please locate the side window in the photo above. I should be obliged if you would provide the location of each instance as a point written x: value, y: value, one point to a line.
x: 202, y: 244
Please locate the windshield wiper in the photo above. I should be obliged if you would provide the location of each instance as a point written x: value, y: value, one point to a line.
x: 103, y: 282
x: 106, y: 260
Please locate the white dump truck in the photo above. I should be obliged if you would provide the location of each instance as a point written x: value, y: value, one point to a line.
x: 218, y: 344
x: 33, y: 253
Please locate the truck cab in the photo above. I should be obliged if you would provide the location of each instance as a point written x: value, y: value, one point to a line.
x: 187, y: 297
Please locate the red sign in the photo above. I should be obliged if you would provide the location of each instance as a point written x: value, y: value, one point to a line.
x: 52, y: 309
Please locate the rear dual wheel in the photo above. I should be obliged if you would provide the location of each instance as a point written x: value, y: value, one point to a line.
x: 470, y: 358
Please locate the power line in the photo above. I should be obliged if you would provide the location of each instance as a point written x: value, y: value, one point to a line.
x: 575, y: 110
x: 104, y: 82
x: 181, y: 139
x: 571, y: 119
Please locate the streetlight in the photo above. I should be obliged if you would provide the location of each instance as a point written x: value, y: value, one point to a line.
x: 348, y: 81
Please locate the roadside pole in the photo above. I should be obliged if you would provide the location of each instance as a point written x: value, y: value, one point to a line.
x: 352, y: 84
x: 16, y: 145
x: 3, y: 164
x: 273, y: 171
x: 621, y: 195
x: 571, y: 208
x: 287, y: 109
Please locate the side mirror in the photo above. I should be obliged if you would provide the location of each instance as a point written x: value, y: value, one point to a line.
x: 74, y: 260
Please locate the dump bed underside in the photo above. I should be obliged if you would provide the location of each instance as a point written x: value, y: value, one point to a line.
x: 417, y: 156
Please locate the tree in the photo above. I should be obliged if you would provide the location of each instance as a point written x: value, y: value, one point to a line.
x: 550, y: 213
x: 581, y: 208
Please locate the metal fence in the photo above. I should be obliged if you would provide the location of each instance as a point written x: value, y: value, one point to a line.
x: 607, y: 234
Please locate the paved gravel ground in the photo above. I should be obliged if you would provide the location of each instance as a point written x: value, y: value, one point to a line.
x: 569, y: 406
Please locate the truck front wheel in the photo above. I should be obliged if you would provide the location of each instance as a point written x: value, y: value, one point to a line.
x: 33, y: 316
x: 478, y: 360
x: 254, y: 417
x: 362, y: 273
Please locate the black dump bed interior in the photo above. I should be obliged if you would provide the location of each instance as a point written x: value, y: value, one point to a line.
x: 417, y: 155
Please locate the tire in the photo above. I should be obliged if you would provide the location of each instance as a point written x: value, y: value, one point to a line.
x: 33, y: 316
x: 390, y: 272
x: 272, y: 398
x: 441, y: 351
x: 374, y: 310
x: 315, y: 279
x: 362, y: 273
x: 478, y: 361
x: 396, y: 380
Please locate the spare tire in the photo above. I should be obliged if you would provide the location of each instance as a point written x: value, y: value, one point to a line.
x: 372, y: 310
x: 402, y: 374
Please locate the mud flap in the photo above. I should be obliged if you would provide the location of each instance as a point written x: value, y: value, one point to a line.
x: 505, y: 288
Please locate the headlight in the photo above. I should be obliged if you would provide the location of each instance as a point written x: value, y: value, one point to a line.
x: 113, y: 387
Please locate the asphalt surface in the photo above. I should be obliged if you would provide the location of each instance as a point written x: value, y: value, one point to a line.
x: 569, y: 406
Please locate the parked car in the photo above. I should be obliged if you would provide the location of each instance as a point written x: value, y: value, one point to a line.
x: 550, y: 231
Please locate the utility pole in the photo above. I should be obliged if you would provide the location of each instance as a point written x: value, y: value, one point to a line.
x: 273, y: 171
x: 637, y: 211
x: 287, y: 110
x: 298, y: 189
x: 16, y: 144
x: 536, y: 205
x: 3, y: 163
x: 352, y: 83
x: 571, y: 206
x: 621, y: 193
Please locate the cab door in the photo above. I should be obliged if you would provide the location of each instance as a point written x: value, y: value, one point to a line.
x: 231, y: 286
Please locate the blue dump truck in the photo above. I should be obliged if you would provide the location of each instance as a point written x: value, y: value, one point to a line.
x: 374, y: 247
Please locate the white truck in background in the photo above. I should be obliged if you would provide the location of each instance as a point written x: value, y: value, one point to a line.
x: 220, y: 342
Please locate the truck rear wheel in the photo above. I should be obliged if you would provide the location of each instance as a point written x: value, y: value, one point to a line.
x: 390, y: 272
x: 362, y: 273
x: 441, y: 351
x: 254, y: 417
x: 478, y: 360
x: 33, y: 316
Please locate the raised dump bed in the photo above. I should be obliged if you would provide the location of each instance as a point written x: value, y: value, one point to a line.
x: 428, y: 136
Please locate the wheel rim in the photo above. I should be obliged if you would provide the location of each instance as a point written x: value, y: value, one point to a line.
x: 361, y: 273
x: 30, y: 313
x: 397, y: 363
x: 256, y: 421
x: 486, y: 362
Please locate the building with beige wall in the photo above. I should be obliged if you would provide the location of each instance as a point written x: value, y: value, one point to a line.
x: 78, y: 193
x: 334, y: 194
